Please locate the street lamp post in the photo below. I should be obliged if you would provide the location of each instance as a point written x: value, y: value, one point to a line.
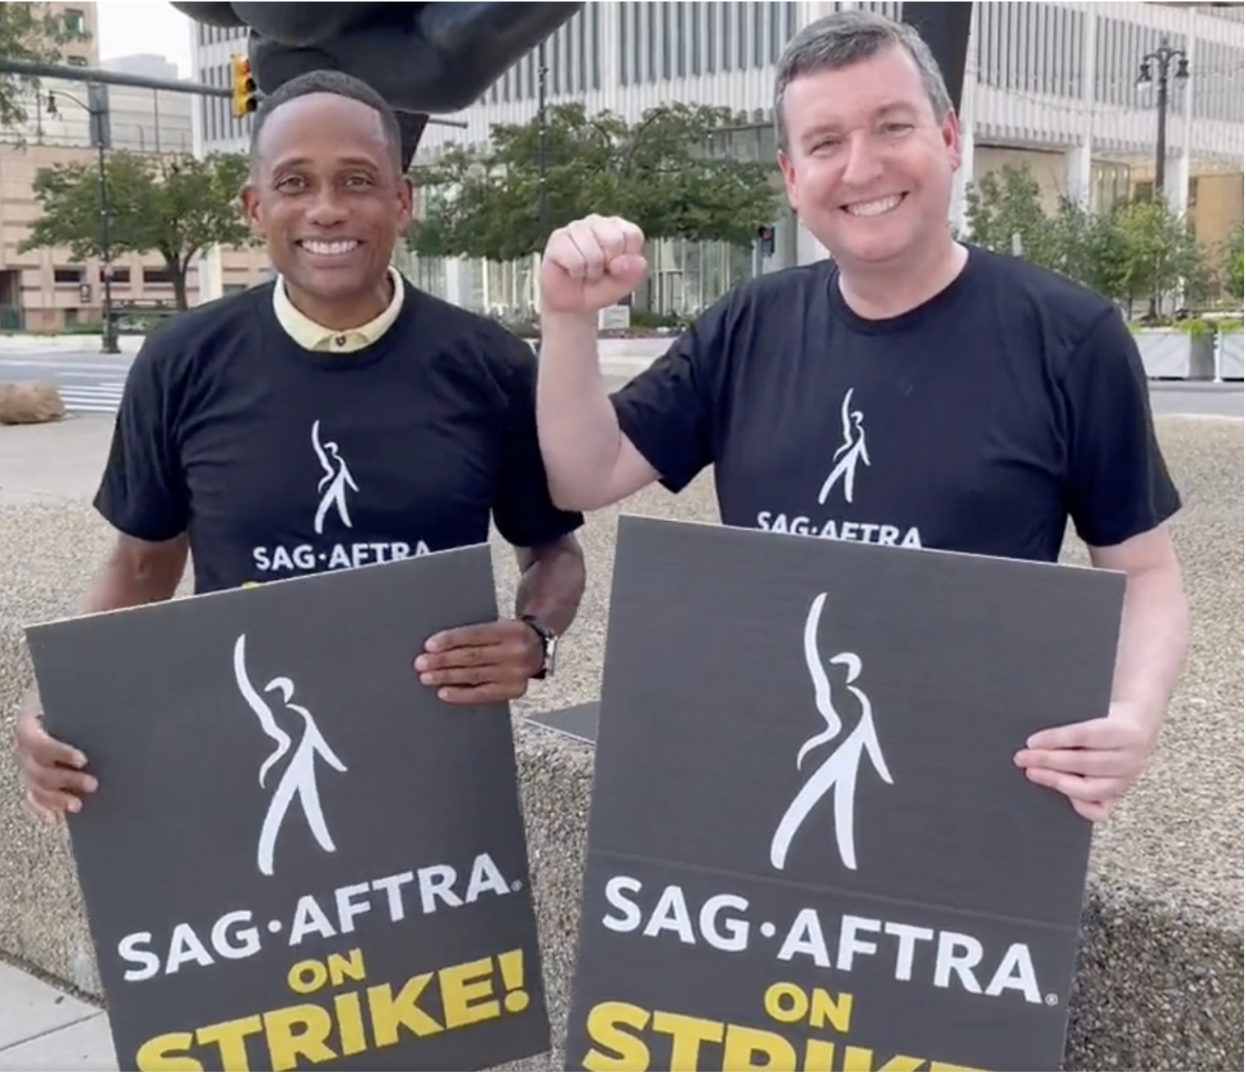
x: 98, y: 116
x: 1162, y: 58
x: 97, y: 109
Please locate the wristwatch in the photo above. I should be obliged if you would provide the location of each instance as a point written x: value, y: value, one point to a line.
x: 549, y: 645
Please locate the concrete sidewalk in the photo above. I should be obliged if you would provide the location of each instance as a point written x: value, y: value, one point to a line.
x: 43, y: 1028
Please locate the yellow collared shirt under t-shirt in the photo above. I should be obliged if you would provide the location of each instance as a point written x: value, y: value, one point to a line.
x: 312, y: 336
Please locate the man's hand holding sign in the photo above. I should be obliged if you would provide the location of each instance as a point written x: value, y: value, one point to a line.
x: 485, y: 663
x: 55, y: 773
x: 1092, y: 763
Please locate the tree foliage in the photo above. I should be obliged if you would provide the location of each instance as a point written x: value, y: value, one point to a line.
x: 668, y: 173
x: 37, y: 34
x: 1231, y: 263
x: 1157, y: 254
x: 174, y: 206
x: 1137, y: 251
x: 1005, y: 213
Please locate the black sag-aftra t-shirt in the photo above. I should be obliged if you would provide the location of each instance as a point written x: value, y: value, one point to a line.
x: 980, y: 422
x: 281, y: 461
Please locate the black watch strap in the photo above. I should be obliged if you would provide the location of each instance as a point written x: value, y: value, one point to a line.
x: 549, y: 640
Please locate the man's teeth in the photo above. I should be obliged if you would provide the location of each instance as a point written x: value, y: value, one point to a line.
x: 874, y: 208
x: 329, y: 249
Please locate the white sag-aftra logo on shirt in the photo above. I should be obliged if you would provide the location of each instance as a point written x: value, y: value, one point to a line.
x: 827, y: 516
x: 851, y: 453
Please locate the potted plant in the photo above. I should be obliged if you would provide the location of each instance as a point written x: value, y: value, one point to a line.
x: 1229, y: 350
x: 1177, y: 350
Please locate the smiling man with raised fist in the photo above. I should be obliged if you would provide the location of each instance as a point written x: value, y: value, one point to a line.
x: 912, y: 391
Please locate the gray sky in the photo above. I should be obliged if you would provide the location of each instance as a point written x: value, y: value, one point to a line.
x: 127, y: 27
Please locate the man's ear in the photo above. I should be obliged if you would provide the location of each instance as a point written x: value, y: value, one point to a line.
x: 950, y: 131
x: 788, y: 170
x: 251, y: 208
x: 406, y: 202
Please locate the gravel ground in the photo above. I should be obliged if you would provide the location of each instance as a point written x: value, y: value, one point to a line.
x: 1161, y: 979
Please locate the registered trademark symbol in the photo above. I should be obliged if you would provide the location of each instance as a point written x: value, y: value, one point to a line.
x: 516, y: 886
x: 1051, y: 999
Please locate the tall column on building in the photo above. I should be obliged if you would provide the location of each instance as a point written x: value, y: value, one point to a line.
x: 1182, y: 119
x: 1077, y: 172
x: 1079, y: 157
x: 208, y: 264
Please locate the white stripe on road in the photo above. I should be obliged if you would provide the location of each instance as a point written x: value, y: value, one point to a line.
x: 88, y: 399
x: 104, y: 368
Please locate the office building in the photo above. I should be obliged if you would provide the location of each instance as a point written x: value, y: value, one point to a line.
x: 1053, y: 85
x: 47, y: 289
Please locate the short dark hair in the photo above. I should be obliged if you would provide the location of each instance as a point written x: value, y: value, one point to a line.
x: 328, y: 81
x: 844, y: 38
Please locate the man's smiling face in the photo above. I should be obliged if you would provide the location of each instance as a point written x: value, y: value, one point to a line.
x: 869, y: 166
x: 329, y: 199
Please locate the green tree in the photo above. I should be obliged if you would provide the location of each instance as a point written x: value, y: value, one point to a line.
x: 1231, y: 263
x: 37, y: 34
x: 1088, y: 247
x: 1155, y: 255
x: 1004, y: 211
x: 174, y: 206
x: 667, y: 173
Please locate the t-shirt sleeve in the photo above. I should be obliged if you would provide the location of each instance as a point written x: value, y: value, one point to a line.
x: 667, y: 411
x: 1119, y: 483
x: 523, y: 511
x: 143, y: 492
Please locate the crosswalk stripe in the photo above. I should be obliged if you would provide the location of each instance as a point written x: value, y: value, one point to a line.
x: 84, y: 399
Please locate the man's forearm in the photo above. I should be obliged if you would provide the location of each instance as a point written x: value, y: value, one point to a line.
x: 127, y: 580
x: 578, y: 428
x: 117, y: 587
x: 1153, y: 642
x: 552, y: 583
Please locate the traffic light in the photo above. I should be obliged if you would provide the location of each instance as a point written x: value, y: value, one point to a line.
x: 244, y: 86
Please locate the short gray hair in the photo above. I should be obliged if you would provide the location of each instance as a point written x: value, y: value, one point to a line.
x: 847, y: 37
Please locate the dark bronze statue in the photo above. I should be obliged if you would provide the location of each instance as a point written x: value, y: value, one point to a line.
x: 433, y: 58
x: 425, y: 59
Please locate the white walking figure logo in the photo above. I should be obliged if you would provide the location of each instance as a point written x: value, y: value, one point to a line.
x: 335, y: 481
x: 839, y: 770
x: 300, y: 773
x: 852, y: 451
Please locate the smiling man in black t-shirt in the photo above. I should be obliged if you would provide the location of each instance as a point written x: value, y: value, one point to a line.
x: 916, y: 393
x: 335, y: 418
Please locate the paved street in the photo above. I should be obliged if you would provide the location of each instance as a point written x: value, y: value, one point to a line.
x: 1197, y: 399
x: 91, y: 382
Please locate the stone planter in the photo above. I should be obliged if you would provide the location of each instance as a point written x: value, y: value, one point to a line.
x: 1172, y: 354
x: 1229, y: 364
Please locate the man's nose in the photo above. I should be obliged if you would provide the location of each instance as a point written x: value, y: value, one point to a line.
x: 327, y: 209
x: 862, y: 162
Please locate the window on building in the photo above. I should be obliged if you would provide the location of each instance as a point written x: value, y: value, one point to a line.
x: 75, y: 21
x: 67, y: 276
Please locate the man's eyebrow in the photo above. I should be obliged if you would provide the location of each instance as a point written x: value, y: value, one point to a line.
x: 892, y: 108
x: 345, y: 161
